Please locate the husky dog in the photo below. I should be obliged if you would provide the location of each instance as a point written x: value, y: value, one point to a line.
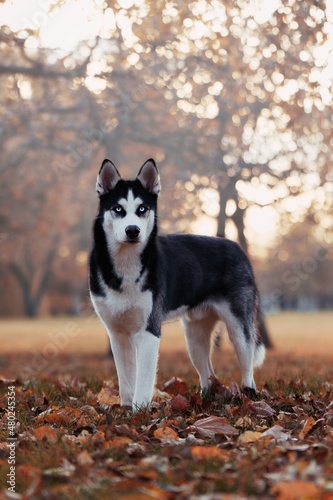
x: 139, y: 279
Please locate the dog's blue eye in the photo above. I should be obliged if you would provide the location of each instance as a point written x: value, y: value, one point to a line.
x: 118, y: 209
x: 143, y: 209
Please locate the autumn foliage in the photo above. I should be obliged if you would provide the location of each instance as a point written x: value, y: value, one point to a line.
x: 75, y: 441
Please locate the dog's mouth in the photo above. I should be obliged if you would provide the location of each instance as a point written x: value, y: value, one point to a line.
x: 132, y: 242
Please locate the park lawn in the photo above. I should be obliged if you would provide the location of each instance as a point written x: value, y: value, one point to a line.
x: 75, y: 441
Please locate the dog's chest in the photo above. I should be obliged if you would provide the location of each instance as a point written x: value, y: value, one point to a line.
x: 126, y: 311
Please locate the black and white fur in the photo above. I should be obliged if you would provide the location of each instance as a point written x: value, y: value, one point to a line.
x: 139, y: 279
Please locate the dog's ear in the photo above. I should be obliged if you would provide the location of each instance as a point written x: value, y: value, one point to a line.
x: 149, y: 176
x: 107, y: 178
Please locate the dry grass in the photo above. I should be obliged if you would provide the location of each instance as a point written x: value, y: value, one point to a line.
x: 292, y: 332
x: 57, y: 344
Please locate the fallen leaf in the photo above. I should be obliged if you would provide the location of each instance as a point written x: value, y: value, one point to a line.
x: 278, y: 433
x: 136, y: 450
x: 211, y: 426
x: 66, y: 470
x: 165, y: 433
x: 108, y: 397
x: 175, y: 386
x: 126, y: 430
x: 196, y: 400
x: 150, y: 491
x: 84, y: 458
x: 88, y: 417
x: 28, y: 474
x: 208, y: 453
x: 295, y: 490
x: 261, y: 409
x: 46, y: 433
x: 220, y: 391
x: 179, y: 404
x: 118, y: 441
x: 249, y: 437
x: 309, y: 423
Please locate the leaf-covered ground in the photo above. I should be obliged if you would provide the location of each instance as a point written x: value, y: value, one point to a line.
x: 75, y: 441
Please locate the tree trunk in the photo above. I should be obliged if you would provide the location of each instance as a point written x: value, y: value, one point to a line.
x: 238, y: 219
x: 24, y: 283
x: 32, y: 300
x: 222, y: 216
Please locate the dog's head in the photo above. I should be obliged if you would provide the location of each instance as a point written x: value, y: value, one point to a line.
x: 128, y: 208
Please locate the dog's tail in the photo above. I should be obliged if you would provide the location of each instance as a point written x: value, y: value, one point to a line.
x: 259, y: 353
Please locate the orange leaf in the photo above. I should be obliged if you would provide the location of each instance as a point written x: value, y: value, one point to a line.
x: 309, y: 423
x: 249, y: 437
x: 46, y: 433
x: 165, y: 433
x: 208, y: 453
x: 108, y: 397
x: 118, y: 441
x: 84, y: 458
x: 294, y: 490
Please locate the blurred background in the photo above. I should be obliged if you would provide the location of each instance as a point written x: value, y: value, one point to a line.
x: 234, y: 101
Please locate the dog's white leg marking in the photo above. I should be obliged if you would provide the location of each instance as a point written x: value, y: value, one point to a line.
x: 244, y: 347
x: 123, y: 348
x: 245, y: 354
x: 147, y: 346
x: 198, y: 339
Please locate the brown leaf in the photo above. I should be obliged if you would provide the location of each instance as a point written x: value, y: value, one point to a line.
x: 176, y: 386
x: 179, y: 404
x: 108, y: 397
x: 295, y: 490
x: 119, y: 442
x: 261, y: 409
x: 208, y: 453
x: 29, y: 475
x: 278, y: 433
x: 211, y: 426
x: 309, y: 423
x: 46, y: 433
x: 126, y: 430
x: 84, y: 458
x: 221, y: 391
x: 196, y: 400
x: 249, y: 437
x: 165, y: 433
x: 88, y: 417
x: 69, y: 414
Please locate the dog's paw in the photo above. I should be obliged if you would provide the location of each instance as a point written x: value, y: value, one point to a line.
x: 250, y: 392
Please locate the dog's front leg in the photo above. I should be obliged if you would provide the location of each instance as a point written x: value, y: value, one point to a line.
x: 147, y: 346
x: 124, y: 352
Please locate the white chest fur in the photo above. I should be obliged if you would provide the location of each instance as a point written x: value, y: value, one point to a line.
x: 125, y: 311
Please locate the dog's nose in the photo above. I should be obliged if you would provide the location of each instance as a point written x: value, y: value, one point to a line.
x: 132, y: 232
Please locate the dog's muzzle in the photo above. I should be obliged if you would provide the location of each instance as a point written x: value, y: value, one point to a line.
x: 132, y: 233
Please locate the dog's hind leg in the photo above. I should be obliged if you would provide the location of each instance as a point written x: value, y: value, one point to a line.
x: 198, y: 334
x: 243, y: 338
